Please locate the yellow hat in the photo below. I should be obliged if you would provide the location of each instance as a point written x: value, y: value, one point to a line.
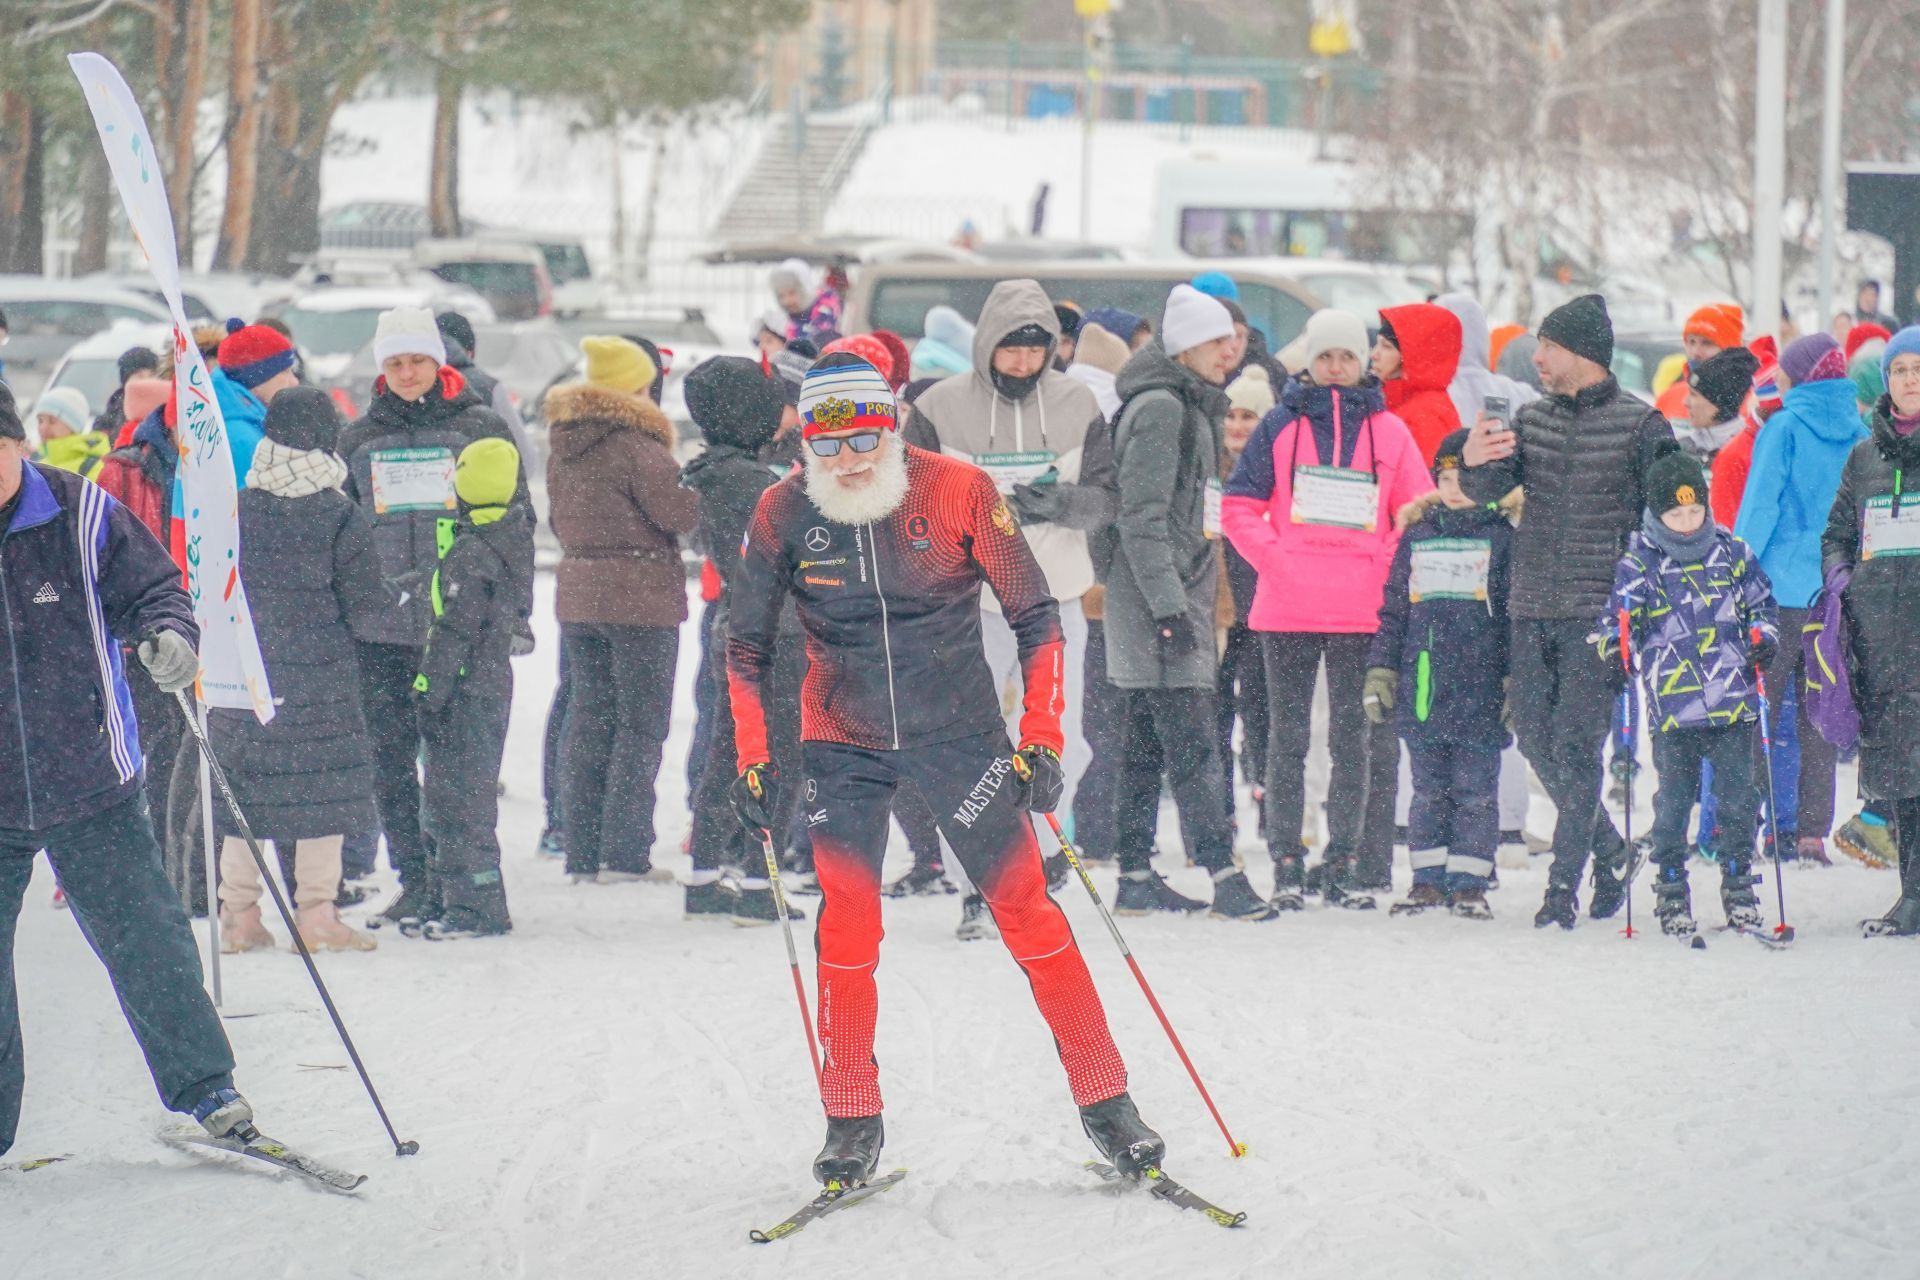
x: 618, y: 365
x: 488, y: 472
x: 1671, y: 370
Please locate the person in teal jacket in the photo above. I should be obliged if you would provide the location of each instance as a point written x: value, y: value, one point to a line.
x: 1797, y: 463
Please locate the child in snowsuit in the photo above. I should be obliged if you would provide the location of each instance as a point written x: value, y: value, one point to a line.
x: 1440, y: 661
x: 1699, y: 613
x: 482, y: 593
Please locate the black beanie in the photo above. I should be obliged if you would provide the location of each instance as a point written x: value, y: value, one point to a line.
x: 733, y: 403
x: 1451, y: 455
x: 1069, y: 317
x: 137, y: 360
x: 10, y: 425
x: 1675, y: 480
x: 304, y: 418
x: 1725, y: 380
x: 1027, y: 335
x: 1582, y: 327
x: 458, y: 330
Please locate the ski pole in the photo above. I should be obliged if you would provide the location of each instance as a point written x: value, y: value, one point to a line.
x: 793, y: 956
x: 1783, y: 929
x: 400, y: 1148
x: 1073, y: 858
x: 1626, y: 738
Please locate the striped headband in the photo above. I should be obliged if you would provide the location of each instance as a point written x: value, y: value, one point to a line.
x: 846, y: 395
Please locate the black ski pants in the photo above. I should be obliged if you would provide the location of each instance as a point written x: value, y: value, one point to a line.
x: 1678, y: 755
x: 1175, y: 732
x: 1565, y: 700
x: 1243, y: 695
x: 1365, y: 777
x: 386, y: 696
x: 461, y: 806
x: 551, y: 769
x: 617, y: 723
x: 109, y: 864
x: 1103, y: 718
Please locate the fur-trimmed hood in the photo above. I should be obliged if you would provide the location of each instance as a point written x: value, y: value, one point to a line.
x: 1513, y: 507
x: 575, y: 410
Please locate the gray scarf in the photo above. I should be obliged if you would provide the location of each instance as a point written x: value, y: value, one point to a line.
x: 1685, y: 548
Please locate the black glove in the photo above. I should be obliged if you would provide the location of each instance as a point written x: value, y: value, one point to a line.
x: 1042, y: 778
x: 750, y: 795
x: 1177, y: 637
x: 1037, y: 503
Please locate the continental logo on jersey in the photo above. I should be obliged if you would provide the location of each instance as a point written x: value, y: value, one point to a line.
x: 1003, y: 518
x: 813, y: 581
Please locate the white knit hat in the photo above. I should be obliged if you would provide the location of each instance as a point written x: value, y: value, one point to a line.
x: 1332, y: 330
x: 408, y: 331
x: 69, y: 404
x: 1252, y: 390
x: 1191, y: 319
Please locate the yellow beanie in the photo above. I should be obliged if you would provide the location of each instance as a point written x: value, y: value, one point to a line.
x: 488, y: 472
x: 617, y: 365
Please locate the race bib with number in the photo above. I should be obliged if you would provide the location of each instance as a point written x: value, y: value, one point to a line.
x: 1450, y: 569
x: 1340, y: 497
x: 1211, y: 518
x: 413, y: 479
x: 1010, y: 469
x: 1885, y: 534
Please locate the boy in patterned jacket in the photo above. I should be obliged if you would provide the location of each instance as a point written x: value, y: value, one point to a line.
x: 1699, y: 615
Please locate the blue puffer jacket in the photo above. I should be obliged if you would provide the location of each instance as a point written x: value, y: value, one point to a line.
x: 1450, y: 643
x: 1691, y: 627
x: 245, y: 416
x: 1797, y: 462
x: 77, y: 573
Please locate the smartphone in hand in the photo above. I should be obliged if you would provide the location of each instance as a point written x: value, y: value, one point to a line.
x: 1500, y: 409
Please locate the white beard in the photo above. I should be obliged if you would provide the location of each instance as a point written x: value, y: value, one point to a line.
x: 870, y: 502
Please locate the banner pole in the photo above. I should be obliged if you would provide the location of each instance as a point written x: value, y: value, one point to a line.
x: 213, y: 865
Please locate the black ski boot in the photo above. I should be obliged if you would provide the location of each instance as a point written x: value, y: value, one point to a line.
x: 1901, y: 921
x: 1560, y: 907
x: 1289, y: 883
x: 929, y: 880
x: 1234, y: 899
x: 753, y: 907
x: 1122, y: 1136
x: 711, y: 903
x: 1673, y: 904
x: 1057, y: 869
x: 415, y: 904
x: 1738, y: 899
x: 852, y: 1150
x: 1142, y: 893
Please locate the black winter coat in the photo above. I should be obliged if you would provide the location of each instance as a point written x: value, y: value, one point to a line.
x: 1883, y: 608
x: 729, y: 482
x: 395, y: 456
x: 315, y: 586
x: 1583, y: 460
x: 485, y: 587
x: 1450, y: 649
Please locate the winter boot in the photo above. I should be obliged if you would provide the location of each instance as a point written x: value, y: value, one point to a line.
x: 1314, y: 881
x: 1142, y: 893
x: 414, y: 904
x: 922, y: 881
x: 552, y: 844
x: 1121, y: 1136
x: 1289, y: 883
x: 351, y: 895
x: 976, y: 921
x: 1738, y: 899
x: 322, y: 929
x: 242, y: 931
x: 711, y: 902
x: 1471, y: 904
x: 225, y: 1114
x: 754, y: 906
x: 1611, y: 872
x: 1057, y: 869
x: 851, y: 1151
x: 1812, y: 851
x: 456, y: 923
x: 1337, y: 886
x: 1868, y: 842
x: 1672, y: 905
x: 1902, y: 921
x: 1559, y: 907
x: 648, y: 874
x: 1422, y: 897
x: 1234, y: 899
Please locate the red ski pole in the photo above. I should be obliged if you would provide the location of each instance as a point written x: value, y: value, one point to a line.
x: 1783, y: 929
x: 1234, y: 1148
x: 1626, y: 740
x: 793, y: 956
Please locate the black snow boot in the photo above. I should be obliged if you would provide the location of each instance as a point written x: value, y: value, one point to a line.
x: 1902, y: 921
x: 416, y: 903
x: 1559, y: 908
x: 1672, y: 903
x: 1057, y: 869
x: 712, y: 902
x: 756, y: 907
x: 1234, y: 899
x: 922, y: 881
x: 1142, y: 893
x: 1122, y: 1136
x: 852, y: 1150
x: 1613, y: 865
x: 1289, y: 883
x: 1338, y: 885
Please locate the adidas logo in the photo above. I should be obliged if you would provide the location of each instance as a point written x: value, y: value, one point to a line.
x: 46, y: 594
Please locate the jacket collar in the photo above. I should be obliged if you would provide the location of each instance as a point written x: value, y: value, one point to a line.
x: 37, y: 503
x: 1603, y: 392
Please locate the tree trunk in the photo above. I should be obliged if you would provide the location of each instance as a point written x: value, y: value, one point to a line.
x: 188, y: 83
x: 443, y: 189
x: 22, y: 185
x: 97, y: 204
x: 243, y: 142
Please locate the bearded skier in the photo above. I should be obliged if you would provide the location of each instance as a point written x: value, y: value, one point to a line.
x: 885, y: 548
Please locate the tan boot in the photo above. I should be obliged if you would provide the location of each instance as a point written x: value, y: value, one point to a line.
x: 324, y: 930
x: 242, y: 931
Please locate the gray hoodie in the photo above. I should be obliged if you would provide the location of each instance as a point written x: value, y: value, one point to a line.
x: 966, y: 417
x: 1473, y: 381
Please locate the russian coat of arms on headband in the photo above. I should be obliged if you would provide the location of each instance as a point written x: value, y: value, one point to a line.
x: 833, y: 413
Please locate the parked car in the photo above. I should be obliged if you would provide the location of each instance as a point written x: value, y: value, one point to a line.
x: 510, y: 276
x: 92, y: 365
x: 209, y: 297
x: 331, y: 326
x: 45, y: 318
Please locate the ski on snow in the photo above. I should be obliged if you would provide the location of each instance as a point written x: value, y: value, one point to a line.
x: 828, y: 1201
x: 28, y: 1166
x: 1174, y: 1193
x: 274, y: 1152
x: 1771, y: 941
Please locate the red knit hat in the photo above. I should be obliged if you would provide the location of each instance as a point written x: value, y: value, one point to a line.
x: 869, y: 348
x: 252, y: 353
x: 902, y: 358
x: 1861, y: 334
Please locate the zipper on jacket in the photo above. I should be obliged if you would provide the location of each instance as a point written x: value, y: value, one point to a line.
x: 886, y: 636
x: 19, y: 705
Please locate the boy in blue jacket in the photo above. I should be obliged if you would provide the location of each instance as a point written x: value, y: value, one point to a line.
x: 1699, y: 613
x: 1440, y: 658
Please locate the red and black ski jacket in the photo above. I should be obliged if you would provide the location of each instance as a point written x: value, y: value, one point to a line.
x: 891, y: 612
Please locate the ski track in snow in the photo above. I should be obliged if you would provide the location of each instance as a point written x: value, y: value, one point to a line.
x: 614, y: 1092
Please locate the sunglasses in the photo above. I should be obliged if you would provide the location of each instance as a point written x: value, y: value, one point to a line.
x: 859, y: 442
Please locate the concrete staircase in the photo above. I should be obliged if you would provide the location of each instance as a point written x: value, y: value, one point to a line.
x: 789, y: 188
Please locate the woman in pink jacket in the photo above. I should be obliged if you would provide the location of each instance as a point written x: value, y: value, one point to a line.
x: 1311, y: 506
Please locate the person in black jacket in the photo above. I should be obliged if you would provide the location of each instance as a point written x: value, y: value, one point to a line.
x: 400, y: 461
x: 305, y: 778
x: 1582, y: 455
x: 79, y: 577
x: 481, y: 595
x: 1439, y: 666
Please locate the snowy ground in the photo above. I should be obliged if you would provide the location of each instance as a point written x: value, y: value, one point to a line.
x: 612, y: 1092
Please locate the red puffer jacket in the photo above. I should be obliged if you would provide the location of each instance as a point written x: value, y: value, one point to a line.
x: 1429, y: 338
